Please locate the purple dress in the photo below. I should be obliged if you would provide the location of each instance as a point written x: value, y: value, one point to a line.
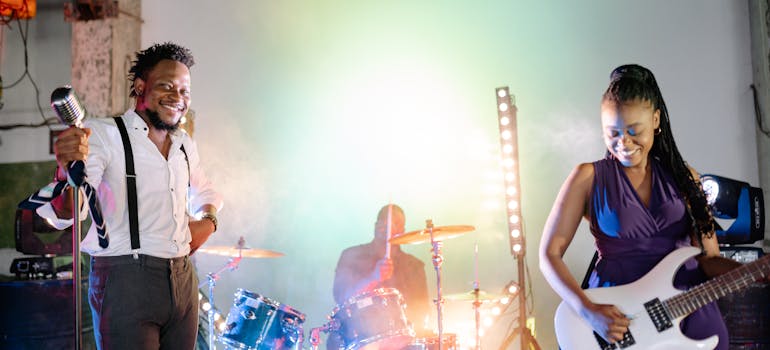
x: 632, y: 238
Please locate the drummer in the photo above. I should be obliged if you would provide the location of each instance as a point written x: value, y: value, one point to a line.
x: 364, y: 267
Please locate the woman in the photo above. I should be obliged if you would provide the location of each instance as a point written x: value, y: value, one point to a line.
x: 642, y: 202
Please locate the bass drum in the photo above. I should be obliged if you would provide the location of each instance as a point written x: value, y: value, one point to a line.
x: 373, y: 320
x: 257, y: 322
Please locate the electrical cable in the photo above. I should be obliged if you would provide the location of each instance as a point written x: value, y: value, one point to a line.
x: 46, y: 121
x: 758, y: 112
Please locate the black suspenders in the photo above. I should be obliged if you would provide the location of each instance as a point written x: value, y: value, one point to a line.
x: 133, y: 219
x: 133, y: 216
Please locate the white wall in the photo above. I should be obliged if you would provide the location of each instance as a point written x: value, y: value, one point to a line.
x: 280, y: 94
x: 555, y: 56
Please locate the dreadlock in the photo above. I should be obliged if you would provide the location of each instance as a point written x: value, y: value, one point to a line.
x: 634, y: 82
x: 147, y: 59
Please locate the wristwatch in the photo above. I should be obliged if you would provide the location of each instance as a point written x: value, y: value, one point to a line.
x: 212, y: 217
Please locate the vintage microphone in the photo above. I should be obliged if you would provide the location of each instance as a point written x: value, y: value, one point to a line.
x: 69, y: 111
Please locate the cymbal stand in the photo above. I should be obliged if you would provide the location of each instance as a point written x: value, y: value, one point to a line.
x: 476, y: 302
x: 476, y: 305
x: 212, y: 278
x: 315, y: 333
x: 437, y: 260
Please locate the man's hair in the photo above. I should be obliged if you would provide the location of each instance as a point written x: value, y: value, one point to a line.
x: 147, y: 59
x: 633, y: 82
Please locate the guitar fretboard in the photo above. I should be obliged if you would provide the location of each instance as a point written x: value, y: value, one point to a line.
x: 735, y: 280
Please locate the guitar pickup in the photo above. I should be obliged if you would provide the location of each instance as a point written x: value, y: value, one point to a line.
x: 658, y: 315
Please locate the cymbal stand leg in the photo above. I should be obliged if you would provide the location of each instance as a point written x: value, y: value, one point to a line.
x: 212, y: 277
x: 438, y: 259
x: 315, y: 337
x: 212, y: 281
x: 476, y: 305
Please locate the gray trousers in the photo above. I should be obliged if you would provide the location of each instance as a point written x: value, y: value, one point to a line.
x: 144, y: 303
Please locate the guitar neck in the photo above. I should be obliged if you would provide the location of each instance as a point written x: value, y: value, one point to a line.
x: 733, y: 281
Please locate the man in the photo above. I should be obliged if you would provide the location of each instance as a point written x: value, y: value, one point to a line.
x: 143, y: 295
x: 364, y: 268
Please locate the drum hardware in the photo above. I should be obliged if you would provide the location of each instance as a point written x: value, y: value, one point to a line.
x: 440, y: 233
x: 435, y: 235
x: 373, y: 320
x: 315, y: 333
x: 257, y: 322
x: 477, y: 297
x: 474, y: 295
x: 448, y: 342
x: 240, y: 251
x: 236, y: 254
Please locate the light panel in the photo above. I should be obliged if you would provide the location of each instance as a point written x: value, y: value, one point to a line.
x: 506, y: 117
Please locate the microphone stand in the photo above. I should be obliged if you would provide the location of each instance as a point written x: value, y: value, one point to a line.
x: 76, y: 267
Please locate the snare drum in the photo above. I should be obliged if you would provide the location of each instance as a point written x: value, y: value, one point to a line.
x: 257, y: 322
x: 373, y: 320
x: 431, y: 343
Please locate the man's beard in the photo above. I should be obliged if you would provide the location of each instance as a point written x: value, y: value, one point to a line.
x: 159, y: 124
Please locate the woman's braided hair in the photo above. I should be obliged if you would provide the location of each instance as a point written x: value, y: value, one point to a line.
x: 633, y: 82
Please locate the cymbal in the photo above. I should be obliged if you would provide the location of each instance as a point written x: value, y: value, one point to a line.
x: 242, y: 252
x: 471, y: 296
x: 440, y: 233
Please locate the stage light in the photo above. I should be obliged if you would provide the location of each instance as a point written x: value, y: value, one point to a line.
x: 513, y: 288
x: 506, y: 115
x: 18, y: 9
x: 737, y: 204
x: 509, y: 143
x: 496, y: 311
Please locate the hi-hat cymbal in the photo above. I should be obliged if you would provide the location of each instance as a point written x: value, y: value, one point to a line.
x: 471, y: 296
x: 440, y: 233
x: 240, y: 251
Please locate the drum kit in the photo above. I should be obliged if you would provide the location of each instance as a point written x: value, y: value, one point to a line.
x: 372, y: 320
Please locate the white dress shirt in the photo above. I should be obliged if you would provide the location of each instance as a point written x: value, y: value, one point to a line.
x: 165, y: 204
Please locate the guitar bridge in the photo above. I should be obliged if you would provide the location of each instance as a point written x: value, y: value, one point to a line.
x: 627, y: 341
x: 658, y: 314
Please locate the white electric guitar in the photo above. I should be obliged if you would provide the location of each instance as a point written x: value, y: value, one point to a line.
x: 655, y: 307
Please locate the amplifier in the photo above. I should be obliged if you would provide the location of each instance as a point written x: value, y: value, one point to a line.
x: 42, y: 267
x: 747, y: 313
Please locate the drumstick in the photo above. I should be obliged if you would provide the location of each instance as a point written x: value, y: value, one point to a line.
x: 476, y: 267
x: 390, y: 218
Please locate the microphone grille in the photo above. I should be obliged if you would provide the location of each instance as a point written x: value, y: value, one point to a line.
x: 66, y: 106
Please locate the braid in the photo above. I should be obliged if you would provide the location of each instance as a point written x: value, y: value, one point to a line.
x: 630, y: 82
